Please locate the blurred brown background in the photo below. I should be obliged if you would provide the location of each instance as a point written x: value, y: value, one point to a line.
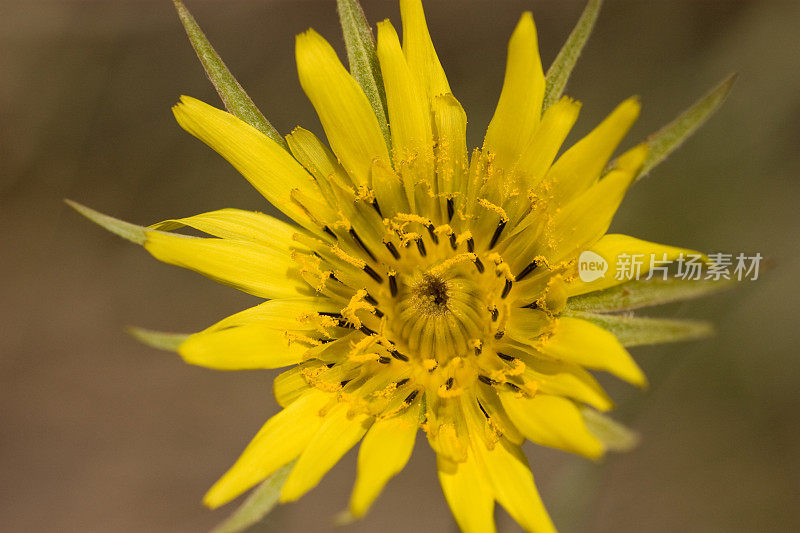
x: 102, y: 434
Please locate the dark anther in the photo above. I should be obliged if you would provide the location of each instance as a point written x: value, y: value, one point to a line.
x: 527, y: 270
x: 326, y: 313
x: 392, y: 250
x: 326, y: 340
x: 374, y: 275
x: 505, y: 357
x: 366, y: 331
x: 377, y: 208
x: 453, y: 244
x: 497, y: 233
x: 378, y: 313
x: 421, y: 247
x: 393, y: 285
x: 486, y: 379
x: 402, y: 382
x: 470, y: 245
x: 483, y: 410
x: 495, y: 314
x: 398, y: 355
x: 369, y: 299
x: 333, y: 277
x: 345, y: 382
x: 384, y: 360
x: 434, y: 237
x: 410, y: 397
x: 450, y: 209
x: 499, y: 335
x: 512, y: 386
x: 449, y: 384
x: 478, y: 349
x: 342, y: 323
x: 479, y: 265
x: 330, y: 365
x: 532, y: 305
x: 330, y: 232
x: 361, y: 243
x: 506, y: 289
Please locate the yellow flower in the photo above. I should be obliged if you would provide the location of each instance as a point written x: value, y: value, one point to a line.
x: 419, y: 285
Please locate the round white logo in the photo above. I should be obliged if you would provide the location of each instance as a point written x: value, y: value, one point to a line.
x: 591, y: 266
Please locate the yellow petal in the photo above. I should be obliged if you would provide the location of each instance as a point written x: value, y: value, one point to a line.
x: 339, y: 433
x: 263, y: 271
x: 543, y: 147
x: 581, y: 342
x: 237, y: 224
x: 281, y: 314
x: 581, y: 165
x: 450, y: 129
x: 512, y: 483
x: 551, y: 421
x: 419, y: 50
x: 317, y: 159
x: 520, y: 106
x: 468, y: 494
x: 278, y: 442
x: 384, y: 452
x: 346, y: 114
x: 243, y: 347
x: 265, y: 164
x: 560, y: 378
x: 409, y: 111
x: 290, y: 385
x: 619, y: 252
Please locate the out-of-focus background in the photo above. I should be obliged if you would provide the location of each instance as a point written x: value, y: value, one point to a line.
x: 98, y: 433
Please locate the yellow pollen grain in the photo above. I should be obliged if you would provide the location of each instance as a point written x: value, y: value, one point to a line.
x: 486, y: 204
x: 349, y: 259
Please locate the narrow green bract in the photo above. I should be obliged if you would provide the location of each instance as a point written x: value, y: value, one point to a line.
x: 670, y: 137
x: 236, y: 100
x: 363, y: 59
x: 559, y: 71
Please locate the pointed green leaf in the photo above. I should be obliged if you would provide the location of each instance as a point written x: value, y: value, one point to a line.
x: 158, y: 339
x: 670, y: 137
x: 635, y: 331
x: 233, y: 95
x: 260, y: 502
x: 559, y: 71
x: 363, y: 58
x: 126, y: 230
x: 611, y: 433
x: 645, y: 293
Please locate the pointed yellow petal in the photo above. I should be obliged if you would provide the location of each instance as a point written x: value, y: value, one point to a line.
x: 581, y: 165
x: 560, y: 378
x: 450, y: 130
x: 247, y: 266
x: 540, y: 152
x: 237, y: 224
x: 290, y: 385
x: 279, y: 441
x: 520, y: 105
x: 409, y: 111
x: 512, y: 482
x: 468, y: 494
x: 581, y: 342
x: 339, y: 433
x: 419, y: 50
x: 317, y: 158
x: 262, y: 161
x: 551, y: 421
x: 281, y: 314
x: 384, y: 452
x: 619, y: 251
x: 241, y: 348
x: 346, y: 114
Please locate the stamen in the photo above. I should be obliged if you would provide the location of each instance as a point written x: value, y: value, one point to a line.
x: 488, y: 381
x: 377, y: 207
x: 402, y: 382
x: 483, y: 410
x: 449, y: 384
x: 398, y: 355
x: 499, y: 334
x: 497, y: 233
x: 506, y: 289
x: 392, y: 249
x: 374, y: 275
x: 470, y: 245
x: 368, y: 297
x: 330, y: 232
x: 495, y: 313
x: 505, y: 357
x: 366, y: 331
x: 410, y: 397
x: 361, y: 244
x: 453, y: 243
x: 450, y: 209
x: 434, y: 237
x: 393, y: 285
x: 479, y: 265
x: 421, y: 247
x: 527, y: 270
x: 384, y: 360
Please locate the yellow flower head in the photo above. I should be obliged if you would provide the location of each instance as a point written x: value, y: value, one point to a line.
x: 418, y: 285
